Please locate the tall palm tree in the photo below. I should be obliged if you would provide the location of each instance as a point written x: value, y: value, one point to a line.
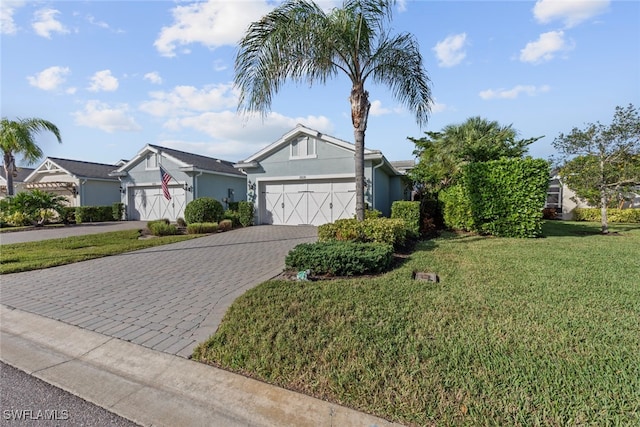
x: 301, y: 42
x: 17, y: 138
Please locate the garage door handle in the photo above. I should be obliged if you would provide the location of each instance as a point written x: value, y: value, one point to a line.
x: 330, y: 205
x: 282, y: 205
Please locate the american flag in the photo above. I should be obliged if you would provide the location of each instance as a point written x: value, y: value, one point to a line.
x: 165, y: 178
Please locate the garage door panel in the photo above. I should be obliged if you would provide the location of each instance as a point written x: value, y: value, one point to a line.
x: 147, y: 204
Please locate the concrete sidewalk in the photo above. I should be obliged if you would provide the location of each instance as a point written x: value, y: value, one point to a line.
x: 153, y: 388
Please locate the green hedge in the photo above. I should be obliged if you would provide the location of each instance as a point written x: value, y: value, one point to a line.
x: 161, y: 228
x: 456, y: 208
x: 375, y: 230
x: 613, y: 215
x: 203, y: 209
x: 94, y: 214
x: 202, y: 228
x: 246, y: 211
x: 410, y: 213
x: 341, y: 258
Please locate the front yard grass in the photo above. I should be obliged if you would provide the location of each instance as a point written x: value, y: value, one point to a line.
x: 518, y: 332
x: 49, y: 253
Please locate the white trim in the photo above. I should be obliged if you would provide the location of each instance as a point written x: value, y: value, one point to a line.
x: 304, y: 177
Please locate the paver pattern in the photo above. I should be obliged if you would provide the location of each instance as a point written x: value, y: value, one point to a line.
x: 168, y: 298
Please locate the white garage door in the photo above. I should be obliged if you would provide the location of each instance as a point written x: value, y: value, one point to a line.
x: 311, y: 202
x: 148, y: 203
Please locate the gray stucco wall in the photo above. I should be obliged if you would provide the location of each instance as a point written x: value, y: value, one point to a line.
x: 217, y: 187
x: 99, y: 193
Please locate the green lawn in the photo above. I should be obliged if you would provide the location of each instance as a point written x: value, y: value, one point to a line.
x: 49, y: 253
x: 518, y: 332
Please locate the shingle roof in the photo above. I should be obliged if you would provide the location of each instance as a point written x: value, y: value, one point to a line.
x: 85, y: 169
x: 201, y: 162
x: 23, y: 173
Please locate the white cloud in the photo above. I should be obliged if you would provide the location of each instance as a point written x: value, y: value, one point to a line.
x: 102, y: 116
x: 402, y: 5
x: 50, y: 78
x: 45, y: 22
x: 377, y: 109
x: 545, y: 48
x: 437, y: 107
x: 103, y: 81
x: 570, y: 12
x: 450, y: 51
x: 213, y: 23
x: 240, y: 136
x: 7, y: 9
x: 153, y: 77
x: 184, y: 100
x: 514, y: 92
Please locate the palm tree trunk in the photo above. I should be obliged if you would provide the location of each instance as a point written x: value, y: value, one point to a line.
x: 9, y: 170
x: 359, y: 114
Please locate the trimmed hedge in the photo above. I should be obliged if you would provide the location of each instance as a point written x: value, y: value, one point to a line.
x: 203, y: 209
x: 246, y: 211
x: 202, y: 228
x: 225, y: 225
x: 456, y: 208
x: 410, y: 213
x: 613, y: 215
x: 117, y: 210
x: 341, y: 258
x: 161, y: 228
x: 375, y: 230
x: 94, y: 214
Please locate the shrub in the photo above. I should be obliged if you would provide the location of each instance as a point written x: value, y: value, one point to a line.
x: 456, y: 208
x: 161, y: 228
x: 246, y: 211
x: 431, y: 218
x: 94, y: 214
x: 341, y: 258
x: 155, y: 221
x: 202, y: 228
x: 118, y: 211
x: 376, y: 230
x: 613, y: 215
x: 372, y: 213
x: 549, y: 213
x: 203, y: 209
x: 233, y: 216
x: 225, y: 225
x: 410, y: 213
x: 233, y: 206
x: 68, y: 214
x: 18, y: 219
x: 181, y: 222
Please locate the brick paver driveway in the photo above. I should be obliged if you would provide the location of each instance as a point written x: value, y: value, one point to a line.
x: 168, y: 298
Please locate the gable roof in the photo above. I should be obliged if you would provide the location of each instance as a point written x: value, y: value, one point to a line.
x: 76, y: 168
x: 297, y: 131
x: 186, y: 161
x: 23, y: 173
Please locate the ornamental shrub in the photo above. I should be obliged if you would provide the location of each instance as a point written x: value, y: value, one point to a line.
x: 340, y: 258
x: 225, y: 225
x: 232, y: 216
x: 94, y: 214
x: 246, y: 211
x: 161, y: 228
x: 456, y: 208
x: 202, y: 228
x: 118, y: 211
x: 392, y: 231
x: 203, y: 209
x: 613, y: 215
x: 410, y: 213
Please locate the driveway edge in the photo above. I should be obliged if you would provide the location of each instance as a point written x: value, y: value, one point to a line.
x: 153, y: 388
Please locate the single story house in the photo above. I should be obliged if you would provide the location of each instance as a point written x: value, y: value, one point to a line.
x: 81, y: 183
x: 307, y: 177
x: 189, y: 176
x: 18, y: 180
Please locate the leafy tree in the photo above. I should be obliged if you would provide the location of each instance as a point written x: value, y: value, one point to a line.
x: 443, y: 154
x: 301, y: 42
x: 17, y: 138
x: 602, y: 161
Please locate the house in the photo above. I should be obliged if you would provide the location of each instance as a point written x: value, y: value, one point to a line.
x: 18, y: 180
x: 307, y: 177
x: 81, y: 183
x: 191, y: 176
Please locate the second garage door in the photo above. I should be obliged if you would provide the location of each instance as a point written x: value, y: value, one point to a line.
x: 309, y: 202
x: 148, y: 203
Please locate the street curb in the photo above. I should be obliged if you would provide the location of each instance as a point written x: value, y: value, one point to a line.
x: 153, y: 388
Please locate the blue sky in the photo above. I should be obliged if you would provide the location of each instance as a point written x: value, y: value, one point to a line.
x: 116, y: 75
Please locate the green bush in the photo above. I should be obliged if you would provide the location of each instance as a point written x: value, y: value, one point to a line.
x: 410, y: 213
x: 431, y: 218
x: 392, y: 231
x: 202, y: 228
x: 118, y: 211
x: 456, y: 208
x: 94, y: 214
x: 68, y: 214
x: 233, y: 206
x: 225, y: 225
x: 246, y: 211
x: 161, y: 228
x: 233, y: 216
x: 203, y: 209
x: 155, y: 221
x: 181, y: 222
x: 613, y: 215
x: 341, y: 258
x: 372, y: 213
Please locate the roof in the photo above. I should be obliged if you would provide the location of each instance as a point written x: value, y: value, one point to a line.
x: 185, y: 160
x: 81, y: 169
x: 23, y: 173
x: 403, y: 165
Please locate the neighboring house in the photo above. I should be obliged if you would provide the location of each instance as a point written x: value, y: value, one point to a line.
x: 307, y: 177
x: 192, y: 176
x: 564, y: 200
x: 81, y: 183
x: 18, y: 180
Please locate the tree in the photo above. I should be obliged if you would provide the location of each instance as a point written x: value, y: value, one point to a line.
x: 442, y: 154
x: 17, y: 138
x: 602, y: 161
x: 298, y: 41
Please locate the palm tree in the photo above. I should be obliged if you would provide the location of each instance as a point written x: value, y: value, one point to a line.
x: 301, y: 42
x: 17, y: 138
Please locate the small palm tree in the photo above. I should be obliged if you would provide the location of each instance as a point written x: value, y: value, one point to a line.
x: 301, y: 42
x: 17, y: 138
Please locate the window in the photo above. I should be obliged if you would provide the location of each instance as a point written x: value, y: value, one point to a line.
x: 152, y: 161
x: 303, y: 147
